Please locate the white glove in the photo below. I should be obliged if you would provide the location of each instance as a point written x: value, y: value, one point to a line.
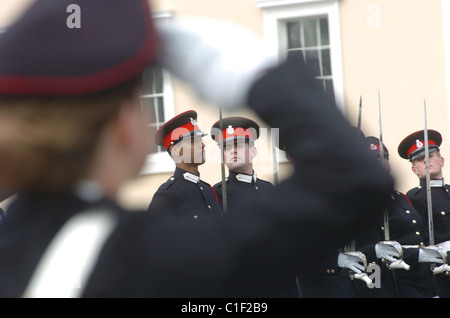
x: 355, y: 261
x: 219, y: 60
x: 441, y: 269
x: 432, y: 254
x: 365, y: 278
x: 399, y: 264
x: 388, y: 250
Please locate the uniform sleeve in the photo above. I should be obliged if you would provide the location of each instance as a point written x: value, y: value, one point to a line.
x: 347, y: 188
x: 335, y: 193
x: 161, y: 203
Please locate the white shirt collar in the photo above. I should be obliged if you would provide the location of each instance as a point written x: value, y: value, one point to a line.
x: 191, y: 177
x: 437, y: 183
x: 246, y: 178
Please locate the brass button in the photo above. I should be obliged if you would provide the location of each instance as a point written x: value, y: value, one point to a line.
x: 417, y: 233
x: 201, y: 188
x: 209, y: 207
x: 195, y: 217
x: 256, y: 187
x: 414, y: 221
x: 172, y: 178
x: 408, y: 211
x: 332, y: 271
x: 442, y: 212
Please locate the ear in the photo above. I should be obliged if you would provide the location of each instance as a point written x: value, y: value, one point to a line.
x: 414, y: 170
x: 253, y: 152
x: 176, y: 152
x: 442, y: 161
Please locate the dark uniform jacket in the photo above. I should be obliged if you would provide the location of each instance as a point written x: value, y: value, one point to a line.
x: 441, y: 208
x: 328, y: 280
x: 441, y: 220
x: 240, y: 186
x: 184, y: 194
x: 273, y: 236
x: 406, y: 226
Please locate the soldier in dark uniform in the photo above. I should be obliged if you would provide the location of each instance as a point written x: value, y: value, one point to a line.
x: 75, y: 92
x: 412, y: 149
x: 406, y: 227
x: 184, y: 194
x: 238, y: 139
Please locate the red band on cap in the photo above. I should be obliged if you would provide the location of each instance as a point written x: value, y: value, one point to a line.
x: 232, y: 132
x: 178, y: 132
x: 415, y: 147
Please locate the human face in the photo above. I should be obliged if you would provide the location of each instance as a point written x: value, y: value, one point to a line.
x: 436, y: 162
x: 239, y: 156
x: 189, y: 151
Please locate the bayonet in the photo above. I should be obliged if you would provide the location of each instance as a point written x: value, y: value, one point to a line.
x: 274, y: 141
x: 427, y: 168
x: 385, y: 216
x: 222, y: 152
x: 359, y: 112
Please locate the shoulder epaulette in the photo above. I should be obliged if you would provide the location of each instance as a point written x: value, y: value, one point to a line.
x: 168, y: 183
x: 413, y: 192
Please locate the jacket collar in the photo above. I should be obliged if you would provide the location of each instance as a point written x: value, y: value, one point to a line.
x: 180, y: 173
x: 243, y: 177
x: 433, y: 183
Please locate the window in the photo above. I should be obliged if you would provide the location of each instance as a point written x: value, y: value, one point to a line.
x: 309, y: 38
x: 153, y: 99
x: 309, y: 28
x: 157, y: 100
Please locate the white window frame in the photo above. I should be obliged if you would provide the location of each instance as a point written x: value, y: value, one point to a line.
x: 277, y: 12
x: 160, y: 162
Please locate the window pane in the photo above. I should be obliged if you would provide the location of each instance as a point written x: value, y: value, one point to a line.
x: 153, y: 81
x: 293, y: 30
x: 326, y: 62
x: 312, y: 61
x: 324, y: 37
x: 160, y: 110
x: 295, y: 53
x: 310, y: 33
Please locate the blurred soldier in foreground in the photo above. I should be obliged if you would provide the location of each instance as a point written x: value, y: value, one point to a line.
x: 73, y: 131
x: 184, y: 194
x: 412, y: 149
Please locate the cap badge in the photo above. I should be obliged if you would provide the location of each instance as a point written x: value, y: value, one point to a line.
x: 419, y: 144
x: 193, y: 122
x: 230, y: 130
x: 373, y: 147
